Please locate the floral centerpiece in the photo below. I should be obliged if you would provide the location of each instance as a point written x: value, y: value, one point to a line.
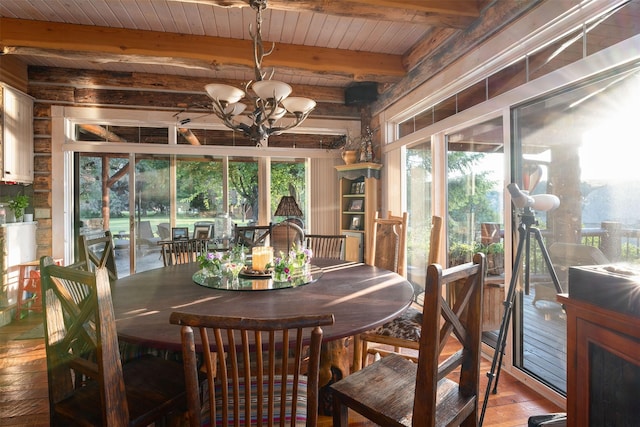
x: 282, y: 269
x: 296, y: 262
x: 217, y: 263
x: 300, y: 256
x: 212, y: 263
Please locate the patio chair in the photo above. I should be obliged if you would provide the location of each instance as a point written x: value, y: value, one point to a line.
x: 394, y: 391
x: 88, y: 384
x: 257, y: 371
x: 145, y: 234
x: 164, y: 231
x: 326, y: 246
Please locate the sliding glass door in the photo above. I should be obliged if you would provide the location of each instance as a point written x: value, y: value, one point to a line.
x: 578, y: 144
x: 419, y: 205
x: 475, y: 220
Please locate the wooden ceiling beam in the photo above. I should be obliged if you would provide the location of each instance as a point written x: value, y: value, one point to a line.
x: 438, y: 13
x: 108, y: 44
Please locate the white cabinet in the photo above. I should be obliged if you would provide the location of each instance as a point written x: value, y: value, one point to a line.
x: 16, y: 136
x: 17, y: 246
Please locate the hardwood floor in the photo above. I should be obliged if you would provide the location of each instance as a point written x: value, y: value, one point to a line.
x: 23, y: 386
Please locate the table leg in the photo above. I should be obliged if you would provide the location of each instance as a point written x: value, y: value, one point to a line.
x: 334, y: 365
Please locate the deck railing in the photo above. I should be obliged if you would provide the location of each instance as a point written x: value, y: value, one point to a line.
x: 618, y: 244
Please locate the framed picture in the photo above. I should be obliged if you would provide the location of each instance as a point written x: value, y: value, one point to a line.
x: 179, y: 233
x: 203, y: 232
x: 355, y: 223
x: 356, y: 205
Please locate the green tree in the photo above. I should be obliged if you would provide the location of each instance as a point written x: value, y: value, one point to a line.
x: 471, y: 195
x: 200, y: 184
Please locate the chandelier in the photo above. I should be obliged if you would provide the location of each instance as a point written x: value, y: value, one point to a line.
x: 269, y: 99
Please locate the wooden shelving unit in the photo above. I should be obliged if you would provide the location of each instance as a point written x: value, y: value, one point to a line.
x: 358, y: 203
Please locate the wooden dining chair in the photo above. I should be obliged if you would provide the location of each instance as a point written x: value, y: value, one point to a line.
x: 388, y: 246
x: 257, y: 373
x: 99, y: 252
x: 176, y: 252
x: 404, y: 331
x: 284, y: 235
x: 431, y: 392
x: 326, y: 246
x: 88, y: 384
x: 387, y: 250
x: 250, y: 236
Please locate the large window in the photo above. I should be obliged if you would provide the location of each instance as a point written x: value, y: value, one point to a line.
x: 579, y: 144
x: 419, y: 183
x: 172, y: 191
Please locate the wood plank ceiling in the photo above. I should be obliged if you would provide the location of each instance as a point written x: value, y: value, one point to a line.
x: 318, y: 42
x: 320, y: 45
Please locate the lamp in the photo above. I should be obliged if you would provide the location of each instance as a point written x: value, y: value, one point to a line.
x: 288, y: 207
x: 269, y: 98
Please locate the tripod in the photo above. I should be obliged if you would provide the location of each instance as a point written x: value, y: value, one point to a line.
x: 526, y: 228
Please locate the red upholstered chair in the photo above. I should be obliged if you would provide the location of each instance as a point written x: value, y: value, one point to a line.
x: 30, y: 284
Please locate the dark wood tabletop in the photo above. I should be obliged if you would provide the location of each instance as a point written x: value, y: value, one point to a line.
x: 359, y: 296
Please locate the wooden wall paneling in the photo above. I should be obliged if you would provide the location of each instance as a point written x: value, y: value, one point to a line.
x: 13, y: 72
x: 61, y: 77
x: 42, y: 145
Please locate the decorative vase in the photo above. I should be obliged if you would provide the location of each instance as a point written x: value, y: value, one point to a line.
x: 280, y: 276
x: 349, y: 156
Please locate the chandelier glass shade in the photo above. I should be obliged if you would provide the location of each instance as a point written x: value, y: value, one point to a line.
x: 268, y: 100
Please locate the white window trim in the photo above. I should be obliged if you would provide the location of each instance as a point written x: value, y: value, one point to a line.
x: 613, y: 57
x: 63, y: 146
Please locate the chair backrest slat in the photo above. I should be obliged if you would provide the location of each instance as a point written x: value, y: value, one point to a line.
x: 182, y: 251
x: 326, y: 246
x: 99, y: 252
x: 388, y: 246
x: 259, y: 360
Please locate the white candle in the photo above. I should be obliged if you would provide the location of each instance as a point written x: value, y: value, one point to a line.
x: 260, y: 257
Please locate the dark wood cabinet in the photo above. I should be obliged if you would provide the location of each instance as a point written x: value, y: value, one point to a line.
x: 603, y: 365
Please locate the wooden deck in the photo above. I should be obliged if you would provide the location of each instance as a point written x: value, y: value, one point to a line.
x: 24, y: 401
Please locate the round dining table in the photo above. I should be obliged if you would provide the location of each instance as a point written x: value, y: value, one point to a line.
x: 359, y: 296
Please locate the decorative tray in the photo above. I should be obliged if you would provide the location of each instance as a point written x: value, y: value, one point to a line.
x: 249, y: 282
x: 249, y: 273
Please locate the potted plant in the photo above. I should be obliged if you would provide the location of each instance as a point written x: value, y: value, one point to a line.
x: 18, y: 205
x: 495, y: 258
x: 459, y: 253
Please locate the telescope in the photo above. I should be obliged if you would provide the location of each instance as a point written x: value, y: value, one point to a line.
x: 538, y: 202
x: 521, y: 200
